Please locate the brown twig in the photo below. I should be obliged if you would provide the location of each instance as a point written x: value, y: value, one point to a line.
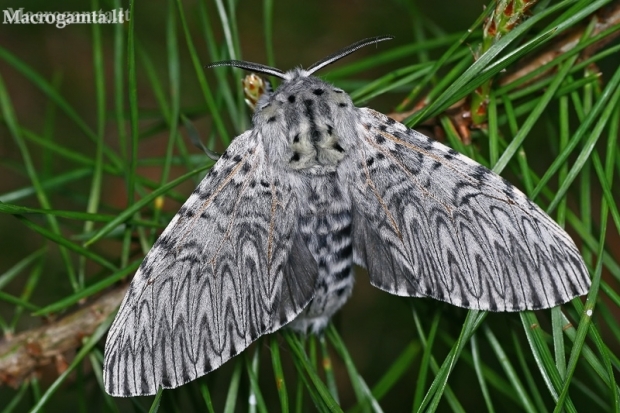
x: 460, y: 113
x: 26, y: 354
x: 504, y: 18
x: 603, y: 20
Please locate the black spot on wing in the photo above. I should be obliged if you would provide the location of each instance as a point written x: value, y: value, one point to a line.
x: 459, y: 185
x: 479, y: 173
x: 165, y: 242
x: 204, y: 195
x: 465, y: 200
x: 144, y: 263
x: 509, y: 189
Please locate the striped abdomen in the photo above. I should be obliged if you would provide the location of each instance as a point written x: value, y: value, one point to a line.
x: 325, y: 226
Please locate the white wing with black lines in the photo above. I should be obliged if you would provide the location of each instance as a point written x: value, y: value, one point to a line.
x: 429, y: 221
x: 229, y: 268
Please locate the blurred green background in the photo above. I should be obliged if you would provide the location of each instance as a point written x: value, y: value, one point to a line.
x: 375, y: 326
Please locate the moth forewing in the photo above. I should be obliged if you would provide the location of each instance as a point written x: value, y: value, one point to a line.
x: 210, y: 286
x: 467, y: 235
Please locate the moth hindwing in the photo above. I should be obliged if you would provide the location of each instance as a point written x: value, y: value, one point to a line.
x: 270, y: 236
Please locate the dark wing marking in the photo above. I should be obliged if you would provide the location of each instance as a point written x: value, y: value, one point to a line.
x: 227, y: 269
x: 431, y: 222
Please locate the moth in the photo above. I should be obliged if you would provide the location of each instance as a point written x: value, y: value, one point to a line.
x: 269, y: 237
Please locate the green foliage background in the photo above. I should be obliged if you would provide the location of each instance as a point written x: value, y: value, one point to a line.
x: 92, y: 136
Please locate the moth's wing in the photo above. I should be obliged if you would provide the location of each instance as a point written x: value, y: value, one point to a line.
x: 229, y: 268
x: 428, y: 221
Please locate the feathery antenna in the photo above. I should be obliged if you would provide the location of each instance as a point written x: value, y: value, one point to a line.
x: 268, y: 70
x: 346, y: 51
x: 252, y: 67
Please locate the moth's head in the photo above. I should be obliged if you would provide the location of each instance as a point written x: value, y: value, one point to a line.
x: 301, y: 95
x: 304, y: 116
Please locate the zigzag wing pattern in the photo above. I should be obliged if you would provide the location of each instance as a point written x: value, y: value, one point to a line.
x: 227, y: 269
x: 431, y: 222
